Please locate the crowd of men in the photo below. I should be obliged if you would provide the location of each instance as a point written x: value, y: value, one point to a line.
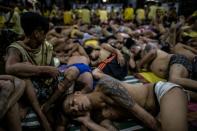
x: 67, y: 67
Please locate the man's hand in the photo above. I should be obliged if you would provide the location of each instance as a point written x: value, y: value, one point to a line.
x: 50, y: 70
x: 82, y: 102
x: 84, y: 119
x: 120, y: 59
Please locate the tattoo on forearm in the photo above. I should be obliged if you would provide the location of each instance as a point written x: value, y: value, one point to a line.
x: 114, y: 89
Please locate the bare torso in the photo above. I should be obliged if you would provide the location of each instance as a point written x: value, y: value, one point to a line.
x: 142, y: 94
x: 78, y: 59
x: 159, y: 66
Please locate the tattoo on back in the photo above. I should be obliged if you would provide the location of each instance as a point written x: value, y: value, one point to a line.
x: 114, y: 89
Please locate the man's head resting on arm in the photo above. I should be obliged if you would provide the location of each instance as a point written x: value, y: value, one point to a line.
x: 35, y: 26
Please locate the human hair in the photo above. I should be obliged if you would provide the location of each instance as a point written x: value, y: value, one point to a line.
x: 31, y: 21
x: 89, y: 50
x: 129, y: 43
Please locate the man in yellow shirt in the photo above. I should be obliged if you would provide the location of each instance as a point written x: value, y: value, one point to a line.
x: 2, y: 20
x: 68, y: 17
x: 103, y: 15
x: 152, y: 12
x: 128, y: 13
x: 140, y: 15
x: 85, y: 15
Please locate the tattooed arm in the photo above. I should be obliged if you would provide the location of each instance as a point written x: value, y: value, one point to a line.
x: 121, y: 97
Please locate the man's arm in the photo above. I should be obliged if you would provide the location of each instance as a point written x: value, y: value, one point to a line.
x: 14, y: 66
x: 108, y: 125
x: 90, y: 124
x: 110, y: 48
x: 148, y: 58
x: 120, y: 57
x: 121, y: 97
x: 82, y: 51
x: 189, y: 48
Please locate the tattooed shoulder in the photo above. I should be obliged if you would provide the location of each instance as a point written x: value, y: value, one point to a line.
x: 114, y: 89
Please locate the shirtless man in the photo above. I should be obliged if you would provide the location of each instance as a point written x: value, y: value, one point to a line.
x: 107, y: 59
x: 11, y: 90
x: 77, y: 69
x: 57, y: 33
x: 115, y: 100
x: 66, y: 48
x: 185, y: 50
x: 176, y: 68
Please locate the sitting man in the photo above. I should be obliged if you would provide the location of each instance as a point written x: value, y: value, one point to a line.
x: 11, y: 90
x: 115, y: 100
x: 108, y: 59
x: 31, y: 59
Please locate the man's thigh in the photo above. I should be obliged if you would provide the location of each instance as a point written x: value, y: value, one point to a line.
x: 178, y: 70
x: 173, y: 111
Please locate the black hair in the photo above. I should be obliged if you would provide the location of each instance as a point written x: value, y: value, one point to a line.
x: 58, y: 29
x: 129, y: 43
x: 89, y: 49
x: 31, y: 21
x: 105, y: 40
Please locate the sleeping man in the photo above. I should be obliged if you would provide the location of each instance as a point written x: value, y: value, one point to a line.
x: 115, y: 100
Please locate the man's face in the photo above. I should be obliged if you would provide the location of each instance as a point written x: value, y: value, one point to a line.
x: 95, y: 54
x: 40, y: 36
x: 76, y: 104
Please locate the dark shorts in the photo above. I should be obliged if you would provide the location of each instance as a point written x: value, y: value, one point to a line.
x: 182, y: 60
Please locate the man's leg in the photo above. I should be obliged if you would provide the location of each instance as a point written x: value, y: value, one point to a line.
x: 12, y: 117
x: 178, y: 74
x: 173, y: 111
x: 31, y: 96
x: 88, y: 80
x: 70, y: 75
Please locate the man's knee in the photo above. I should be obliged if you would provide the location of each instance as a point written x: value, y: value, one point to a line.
x: 71, y: 74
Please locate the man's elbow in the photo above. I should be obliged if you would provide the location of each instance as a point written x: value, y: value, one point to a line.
x: 174, y: 80
x: 10, y: 70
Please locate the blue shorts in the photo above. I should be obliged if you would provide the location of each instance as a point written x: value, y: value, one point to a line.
x: 83, y: 68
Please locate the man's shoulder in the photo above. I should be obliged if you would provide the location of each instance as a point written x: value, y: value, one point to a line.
x: 15, y: 45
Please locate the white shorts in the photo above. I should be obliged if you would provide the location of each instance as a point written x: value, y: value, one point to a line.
x: 161, y: 88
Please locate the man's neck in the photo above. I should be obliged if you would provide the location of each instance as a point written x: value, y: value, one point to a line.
x: 31, y: 44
